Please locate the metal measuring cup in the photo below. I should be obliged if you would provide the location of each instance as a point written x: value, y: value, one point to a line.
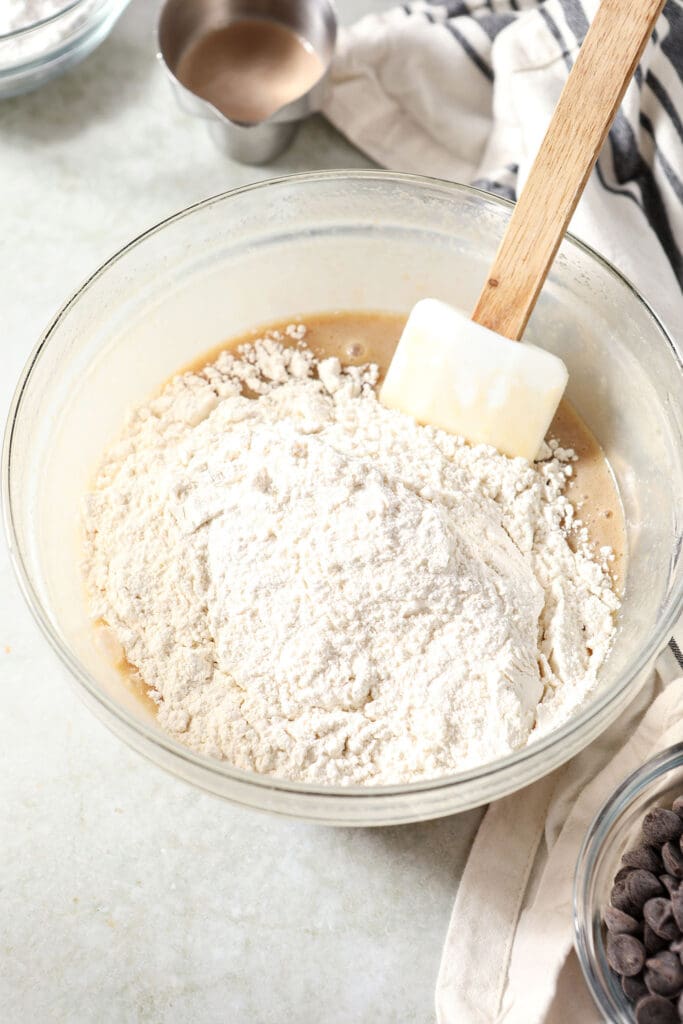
x: 181, y: 22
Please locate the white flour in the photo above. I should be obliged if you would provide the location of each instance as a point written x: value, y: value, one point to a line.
x: 17, y: 15
x: 316, y: 587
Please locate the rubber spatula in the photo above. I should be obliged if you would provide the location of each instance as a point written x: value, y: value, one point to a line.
x: 467, y: 376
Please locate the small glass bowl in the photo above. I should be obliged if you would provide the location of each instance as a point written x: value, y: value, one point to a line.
x: 615, y: 829
x: 40, y: 50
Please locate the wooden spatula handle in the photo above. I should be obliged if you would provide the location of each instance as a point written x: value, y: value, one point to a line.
x: 587, y: 106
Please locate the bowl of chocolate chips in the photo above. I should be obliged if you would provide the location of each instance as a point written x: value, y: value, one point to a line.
x: 628, y: 897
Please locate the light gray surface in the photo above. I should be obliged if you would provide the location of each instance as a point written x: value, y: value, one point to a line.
x: 126, y: 895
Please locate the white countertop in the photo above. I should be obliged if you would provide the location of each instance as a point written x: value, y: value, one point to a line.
x: 126, y: 894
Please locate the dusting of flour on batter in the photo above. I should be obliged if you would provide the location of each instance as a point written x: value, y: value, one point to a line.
x: 317, y: 588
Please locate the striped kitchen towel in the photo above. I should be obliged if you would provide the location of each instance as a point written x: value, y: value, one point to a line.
x: 508, y: 956
x: 465, y: 90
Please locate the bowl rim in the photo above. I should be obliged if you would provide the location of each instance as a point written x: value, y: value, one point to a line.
x: 609, y: 812
x: 42, y: 63
x: 67, y: 8
x: 172, y: 747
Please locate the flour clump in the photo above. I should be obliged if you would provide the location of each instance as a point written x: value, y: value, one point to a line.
x: 315, y: 587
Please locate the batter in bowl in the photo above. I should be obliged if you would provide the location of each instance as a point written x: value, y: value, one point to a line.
x: 311, y: 586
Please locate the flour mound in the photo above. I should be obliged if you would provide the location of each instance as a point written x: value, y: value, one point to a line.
x: 317, y: 588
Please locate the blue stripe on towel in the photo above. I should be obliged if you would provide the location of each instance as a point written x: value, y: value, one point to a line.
x: 469, y: 50
x: 676, y: 651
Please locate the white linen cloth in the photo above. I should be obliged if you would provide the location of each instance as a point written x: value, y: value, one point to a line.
x: 464, y: 91
x: 508, y: 955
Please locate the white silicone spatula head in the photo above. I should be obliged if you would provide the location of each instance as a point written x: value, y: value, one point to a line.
x: 464, y: 378
x: 464, y: 375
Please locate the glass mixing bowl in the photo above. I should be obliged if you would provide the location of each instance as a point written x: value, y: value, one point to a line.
x: 614, y: 830
x: 38, y: 50
x: 317, y: 242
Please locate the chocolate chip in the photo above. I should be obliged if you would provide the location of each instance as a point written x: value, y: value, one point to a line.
x: 652, y: 942
x: 626, y: 954
x: 673, y: 859
x: 634, y: 988
x: 670, y: 883
x: 677, y: 908
x: 620, y: 898
x: 664, y: 974
x: 659, y: 916
x: 619, y: 923
x: 642, y: 886
x: 645, y: 920
x: 655, y: 1010
x: 645, y: 857
x: 661, y: 826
